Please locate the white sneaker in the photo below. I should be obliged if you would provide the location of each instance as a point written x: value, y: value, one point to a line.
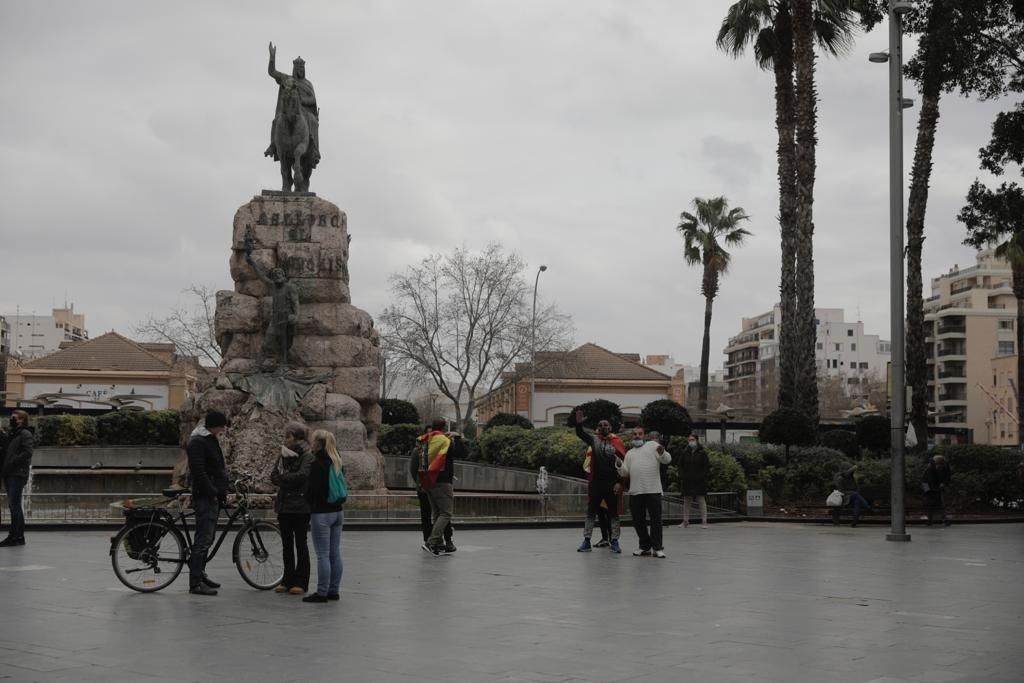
x: 704, y: 526
x: 659, y: 553
x: 683, y: 525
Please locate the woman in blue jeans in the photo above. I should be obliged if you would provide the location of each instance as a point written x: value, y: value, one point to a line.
x: 326, y: 518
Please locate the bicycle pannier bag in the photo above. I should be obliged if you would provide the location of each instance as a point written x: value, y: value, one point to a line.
x: 141, y: 536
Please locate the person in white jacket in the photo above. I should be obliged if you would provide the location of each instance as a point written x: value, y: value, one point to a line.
x: 642, y: 466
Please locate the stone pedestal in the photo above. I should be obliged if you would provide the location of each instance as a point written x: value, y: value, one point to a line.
x: 332, y: 377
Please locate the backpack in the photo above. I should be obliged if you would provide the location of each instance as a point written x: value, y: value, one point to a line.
x: 337, y: 488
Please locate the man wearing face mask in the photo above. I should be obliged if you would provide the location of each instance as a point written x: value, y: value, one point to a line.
x: 16, y: 463
x: 606, y: 451
x: 642, y: 466
x: 694, y: 468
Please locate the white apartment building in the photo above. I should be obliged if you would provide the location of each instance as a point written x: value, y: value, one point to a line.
x: 5, y: 336
x: 969, y: 323
x: 842, y: 350
x: 33, y: 335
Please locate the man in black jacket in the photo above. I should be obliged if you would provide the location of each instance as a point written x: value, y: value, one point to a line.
x: 209, y: 492
x: 16, y: 462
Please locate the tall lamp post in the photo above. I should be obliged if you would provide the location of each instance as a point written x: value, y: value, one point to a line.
x: 533, y: 343
x: 898, y: 529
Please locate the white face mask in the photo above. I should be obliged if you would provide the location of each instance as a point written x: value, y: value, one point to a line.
x: 693, y: 444
x: 637, y: 443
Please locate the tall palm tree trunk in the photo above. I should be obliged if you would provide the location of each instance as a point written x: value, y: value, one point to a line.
x: 916, y: 357
x: 785, y: 124
x: 705, y: 355
x: 806, y: 115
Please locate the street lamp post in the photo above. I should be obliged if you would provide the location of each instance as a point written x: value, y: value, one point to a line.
x: 898, y: 529
x: 533, y: 343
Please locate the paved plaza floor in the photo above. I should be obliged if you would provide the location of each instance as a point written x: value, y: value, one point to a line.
x: 737, y: 602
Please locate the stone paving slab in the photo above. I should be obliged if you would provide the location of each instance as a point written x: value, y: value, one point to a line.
x: 737, y: 602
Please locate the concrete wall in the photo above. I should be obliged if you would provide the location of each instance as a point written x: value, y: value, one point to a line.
x: 482, y: 477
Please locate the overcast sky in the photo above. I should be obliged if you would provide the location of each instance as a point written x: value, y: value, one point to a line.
x: 573, y: 132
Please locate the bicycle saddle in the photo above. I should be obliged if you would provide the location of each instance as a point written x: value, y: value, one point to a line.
x: 174, y: 492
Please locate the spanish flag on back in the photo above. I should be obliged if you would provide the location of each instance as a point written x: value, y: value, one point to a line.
x: 433, y: 456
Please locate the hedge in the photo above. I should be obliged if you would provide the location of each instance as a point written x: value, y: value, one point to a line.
x: 117, y: 428
x: 398, y: 439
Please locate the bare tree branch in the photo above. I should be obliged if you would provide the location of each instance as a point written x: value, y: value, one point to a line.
x: 462, y: 320
x: 189, y: 328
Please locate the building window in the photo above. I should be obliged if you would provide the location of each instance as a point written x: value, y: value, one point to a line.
x: 821, y: 346
x: 839, y: 347
x: 849, y: 333
x: 835, y: 363
x: 1006, y: 348
x: 853, y: 347
x: 863, y: 366
x: 1006, y: 324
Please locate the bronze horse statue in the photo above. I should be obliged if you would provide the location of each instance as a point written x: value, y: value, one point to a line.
x: 292, y: 141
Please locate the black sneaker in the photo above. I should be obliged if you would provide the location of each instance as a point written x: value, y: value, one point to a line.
x: 208, y: 582
x: 450, y: 547
x: 642, y: 553
x: 333, y: 596
x: 201, y: 589
x: 434, y: 550
x: 315, y: 597
x: 9, y: 541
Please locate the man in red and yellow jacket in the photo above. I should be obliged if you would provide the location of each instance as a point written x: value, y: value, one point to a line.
x: 435, y: 475
x: 606, y: 453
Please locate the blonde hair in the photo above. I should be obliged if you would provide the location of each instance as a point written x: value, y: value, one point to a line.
x: 325, y: 439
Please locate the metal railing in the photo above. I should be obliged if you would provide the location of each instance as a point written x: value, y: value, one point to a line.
x: 397, y: 507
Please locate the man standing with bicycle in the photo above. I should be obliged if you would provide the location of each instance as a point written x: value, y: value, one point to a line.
x: 209, y: 492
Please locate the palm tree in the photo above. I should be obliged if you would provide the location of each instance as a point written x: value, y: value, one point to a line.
x: 768, y: 26
x: 706, y: 232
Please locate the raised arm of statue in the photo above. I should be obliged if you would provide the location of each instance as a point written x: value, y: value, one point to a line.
x: 259, y: 273
x: 272, y: 66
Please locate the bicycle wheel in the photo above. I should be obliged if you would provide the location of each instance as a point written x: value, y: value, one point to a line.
x: 148, y: 556
x: 259, y: 554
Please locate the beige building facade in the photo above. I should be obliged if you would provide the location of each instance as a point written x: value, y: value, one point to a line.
x: 108, y: 371
x: 970, y: 338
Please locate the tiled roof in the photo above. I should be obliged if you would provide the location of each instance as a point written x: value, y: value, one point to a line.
x: 593, y: 362
x: 110, y: 351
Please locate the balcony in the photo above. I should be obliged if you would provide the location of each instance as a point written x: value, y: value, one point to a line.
x: 951, y: 330
x: 958, y: 374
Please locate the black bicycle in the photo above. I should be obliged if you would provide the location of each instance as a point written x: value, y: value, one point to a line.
x: 149, y: 552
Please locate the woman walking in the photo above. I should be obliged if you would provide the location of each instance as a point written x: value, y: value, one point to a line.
x: 694, y: 467
x: 326, y: 517
x: 291, y: 476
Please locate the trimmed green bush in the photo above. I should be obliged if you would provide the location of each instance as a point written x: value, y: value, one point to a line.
x: 117, y: 428
x: 874, y: 433
x: 508, y: 420
x: 666, y: 416
x: 395, y: 411
x: 726, y: 474
x: 595, y: 411
x: 842, y: 440
x: 982, y: 476
x: 787, y: 427
x: 556, y: 448
x: 398, y: 439
x: 753, y: 457
x: 811, y: 472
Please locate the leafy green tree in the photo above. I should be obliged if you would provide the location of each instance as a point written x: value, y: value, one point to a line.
x: 595, y: 411
x: 395, y: 411
x: 843, y: 440
x: 788, y: 427
x: 706, y: 233
x: 666, y: 416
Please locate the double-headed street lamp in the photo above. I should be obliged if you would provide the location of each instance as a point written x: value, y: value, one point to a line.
x: 533, y: 343
x: 897, y: 103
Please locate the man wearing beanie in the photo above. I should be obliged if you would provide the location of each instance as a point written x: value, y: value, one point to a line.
x: 209, y: 492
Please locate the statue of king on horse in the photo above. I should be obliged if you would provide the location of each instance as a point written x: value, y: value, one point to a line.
x: 294, y: 134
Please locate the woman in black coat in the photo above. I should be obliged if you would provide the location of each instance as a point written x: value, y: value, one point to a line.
x: 694, y: 469
x: 291, y: 475
x: 16, y: 463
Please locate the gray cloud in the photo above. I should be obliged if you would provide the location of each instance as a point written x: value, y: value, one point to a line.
x: 572, y: 132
